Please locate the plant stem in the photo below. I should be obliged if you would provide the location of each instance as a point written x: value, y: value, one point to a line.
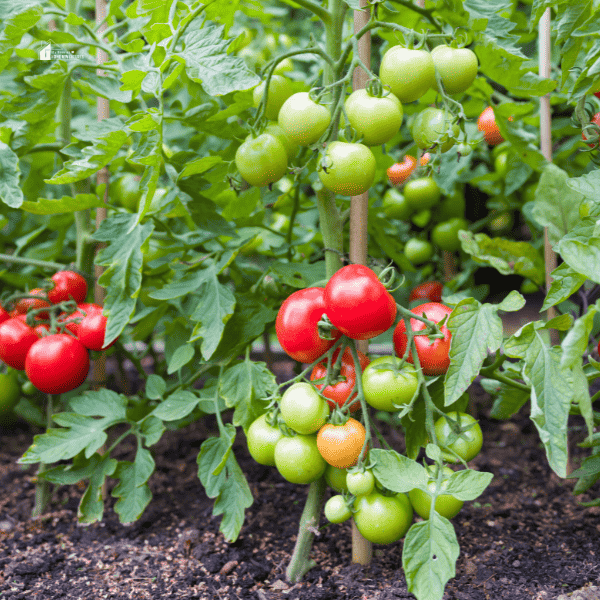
x: 44, y: 264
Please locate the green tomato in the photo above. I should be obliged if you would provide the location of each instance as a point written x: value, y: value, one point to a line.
x: 378, y: 120
x: 348, y: 169
x: 28, y: 388
x: 360, y: 484
x: 433, y: 127
x: 421, y: 218
x: 457, y: 68
x: 395, y: 206
x: 284, y: 66
x: 298, y: 459
x: 467, y: 445
x: 382, y: 389
x: 10, y: 392
x: 261, y: 160
x: 445, y: 505
x: 529, y: 193
x: 528, y: 287
x: 382, y: 519
x: 262, y: 439
x: 336, y: 510
x: 291, y: 148
x: 303, y: 120
x: 500, y: 164
x: 418, y: 251
x: 408, y: 73
x: 451, y: 207
x: 445, y: 235
x: 303, y: 409
x: 336, y: 478
x: 501, y: 224
x: 280, y: 89
x: 127, y: 191
x: 422, y: 193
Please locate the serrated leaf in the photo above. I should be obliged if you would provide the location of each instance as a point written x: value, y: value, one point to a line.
x: 178, y: 405
x: 466, y: 485
x: 396, y: 472
x: 10, y: 191
x: 429, y: 557
x: 565, y: 282
x: 105, y: 87
x: 576, y: 341
x: 156, y: 387
x: 509, y: 401
x: 200, y: 165
x: 180, y: 358
x: 66, y: 204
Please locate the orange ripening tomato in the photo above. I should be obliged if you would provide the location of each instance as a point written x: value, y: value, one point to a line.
x: 487, y: 124
x: 340, y: 445
x: 399, y: 172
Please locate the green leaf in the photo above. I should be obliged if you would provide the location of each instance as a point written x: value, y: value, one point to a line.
x: 156, y: 387
x: 246, y: 386
x: 590, y: 467
x: 16, y: 19
x: 509, y: 401
x: 396, y: 472
x: 66, y: 204
x: 132, y: 491
x: 466, y: 485
x: 180, y: 358
x: 587, y: 185
x: 299, y: 275
x: 10, y: 191
x: 576, y: 341
x: 565, y: 282
x: 582, y: 251
x: 105, y: 87
x: 223, y: 479
x: 200, y: 165
x: 178, y: 405
x: 429, y: 557
x: 207, y: 62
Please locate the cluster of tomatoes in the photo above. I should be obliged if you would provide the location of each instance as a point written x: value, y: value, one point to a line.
x: 52, y: 346
x: 348, y: 168
x: 310, y: 434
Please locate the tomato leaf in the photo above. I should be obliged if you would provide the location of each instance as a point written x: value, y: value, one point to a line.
x: 396, y: 472
x: 429, y: 557
x: 10, y: 192
x: 468, y: 484
x: 132, y: 491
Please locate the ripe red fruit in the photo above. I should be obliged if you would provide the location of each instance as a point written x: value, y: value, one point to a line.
x: 487, y: 124
x: 596, y: 121
x: 67, y: 284
x: 429, y: 290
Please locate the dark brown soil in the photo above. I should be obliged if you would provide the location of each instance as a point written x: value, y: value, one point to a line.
x: 525, y: 538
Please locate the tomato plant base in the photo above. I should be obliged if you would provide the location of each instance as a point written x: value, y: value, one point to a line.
x: 532, y: 538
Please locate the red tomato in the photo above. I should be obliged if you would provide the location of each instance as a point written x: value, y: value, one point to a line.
x: 430, y: 290
x: 339, y: 392
x: 487, y: 124
x: 434, y: 357
x: 84, y: 306
x: 296, y: 325
x: 596, y: 121
x: 91, y: 331
x: 4, y: 316
x: 67, y: 284
x: 16, y: 338
x: 57, y: 363
x: 358, y: 304
x: 25, y: 304
x: 400, y: 172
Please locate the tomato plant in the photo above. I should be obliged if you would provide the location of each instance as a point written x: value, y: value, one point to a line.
x: 303, y: 409
x: 378, y: 120
x: 336, y: 510
x: 433, y: 127
x: 358, y: 304
x: 433, y: 357
x: 429, y: 290
x: 347, y: 169
x: 360, y: 483
x: 395, y: 205
x: 457, y: 67
x: 302, y: 119
x: 126, y: 191
x: 383, y: 519
x: 67, y: 285
x: 262, y: 439
x: 408, y: 73
x: 383, y: 389
x: 341, y: 445
x: 298, y: 459
x: 469, y: 442
x: 487, y: 124
x: 445, y: 505
x: 445, y: 235
x: 10, y: 392
x: 16, y: 338
x: 261, y: 160
x: 422, y: 193
x: 338, y: 393
x: 296, y: 325
x: 57, y: 363
x: 418, y: 251
x: 280, y: 89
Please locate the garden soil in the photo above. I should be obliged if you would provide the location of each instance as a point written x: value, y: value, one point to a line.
x: 526, y: 538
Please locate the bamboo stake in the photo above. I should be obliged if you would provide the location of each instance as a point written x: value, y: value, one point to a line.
x: 362, y: 549
x: 546, y: 148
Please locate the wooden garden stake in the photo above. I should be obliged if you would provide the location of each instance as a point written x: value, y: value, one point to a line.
x: 362, y: 549
x: 546, y: 148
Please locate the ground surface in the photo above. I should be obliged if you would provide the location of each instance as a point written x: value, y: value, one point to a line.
x: 527, y: 537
